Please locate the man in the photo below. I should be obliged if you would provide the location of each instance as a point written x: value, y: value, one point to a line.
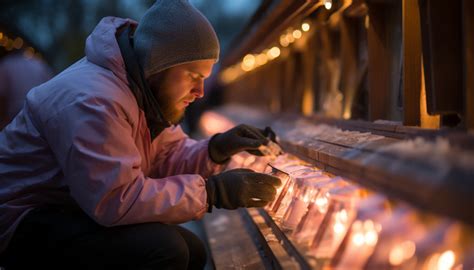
x: 94, y: 169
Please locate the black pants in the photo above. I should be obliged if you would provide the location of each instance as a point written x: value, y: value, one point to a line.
x: 53, y: 238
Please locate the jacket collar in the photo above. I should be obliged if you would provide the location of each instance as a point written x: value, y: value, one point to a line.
x: 139, y: 86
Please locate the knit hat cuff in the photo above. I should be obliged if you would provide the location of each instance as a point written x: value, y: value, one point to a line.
x: 182, y: 59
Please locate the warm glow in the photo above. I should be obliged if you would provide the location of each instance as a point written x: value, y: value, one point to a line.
x: 409, y: 248
x: 18, y: 43
x: 284, y: 41
x: 371, y: 237
x: 290, y: 37
x: 305, y: 27
x: 327, y: 4
x: 321, y: 201
x: 245, y: 67
x: 1, y: 35
x: 306, y: 197
x: 212, y: 123
x: 3, y: 41
x: 446, y: 260
x: 401, y: 252
x: 249, y: 60
x: 347, y: 115
x: 261, y: 59
x: 364, y: 233
x: 9, y: 44
x: 342, y: 215
x: 358, y: 239
x: 290, y: 190
x: 427, y: 121
x: 273, y: 53
x: 339, y: 228
x: 229, y: 75
x: 297, y: 34
x: 368, y: 224
x: 397, y: 256
x: 308, y: 101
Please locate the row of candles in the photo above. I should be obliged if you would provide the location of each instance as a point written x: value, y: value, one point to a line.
x: 338, y: 224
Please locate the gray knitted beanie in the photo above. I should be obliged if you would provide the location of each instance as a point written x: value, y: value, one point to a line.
x: 173, y: 32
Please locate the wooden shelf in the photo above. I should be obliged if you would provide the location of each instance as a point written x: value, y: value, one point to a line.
x: 444, y: 187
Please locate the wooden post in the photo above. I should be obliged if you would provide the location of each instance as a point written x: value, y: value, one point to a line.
x: 411, y: 63
x: 384, y: 41
x: 349, y: 67
x: 442, y: 55
x: 468, y: 35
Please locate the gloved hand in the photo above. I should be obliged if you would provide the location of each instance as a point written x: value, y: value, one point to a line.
x: 240, y: 188
x: 240, y: 138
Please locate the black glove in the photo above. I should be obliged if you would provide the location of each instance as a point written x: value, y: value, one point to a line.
x: 240, y: 138
x: 240, y: 188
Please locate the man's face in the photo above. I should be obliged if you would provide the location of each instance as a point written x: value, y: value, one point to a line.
x: 179, y: 86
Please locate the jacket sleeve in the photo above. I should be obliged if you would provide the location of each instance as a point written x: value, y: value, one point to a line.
x: 94, y: 146
x: 175, y: 153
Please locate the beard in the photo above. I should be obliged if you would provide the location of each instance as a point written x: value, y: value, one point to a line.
x: 169, y: 111
x: 165, y: 101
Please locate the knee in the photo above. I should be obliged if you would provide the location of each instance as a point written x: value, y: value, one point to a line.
x: 178, y: 250
x: 197, y: 252
x: 169, y: 252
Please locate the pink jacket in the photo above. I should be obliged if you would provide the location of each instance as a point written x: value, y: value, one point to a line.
x: 82, y: 139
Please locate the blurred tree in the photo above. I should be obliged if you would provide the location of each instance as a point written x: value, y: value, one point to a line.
x: 59, y: 28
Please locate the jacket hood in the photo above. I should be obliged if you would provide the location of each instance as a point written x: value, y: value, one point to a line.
x: 102, y: 48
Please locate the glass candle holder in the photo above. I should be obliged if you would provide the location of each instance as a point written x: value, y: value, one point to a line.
x: 360, y: 242
x: 279, y: 209
x: 340, y: 214
x: 305, y: 189
x: 258, y: 164
x: 442, y: 248
x: 397, y: 241
x: 317, y: 208
x: 283, y: 188
x: 236, y: 161
x: 286, y: 160
x: 282, y: 172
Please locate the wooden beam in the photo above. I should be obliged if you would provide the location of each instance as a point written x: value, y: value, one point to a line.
x: 411, y: 63
x: 269, y: 27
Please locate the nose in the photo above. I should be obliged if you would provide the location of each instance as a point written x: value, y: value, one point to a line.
x: 198, y: 90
